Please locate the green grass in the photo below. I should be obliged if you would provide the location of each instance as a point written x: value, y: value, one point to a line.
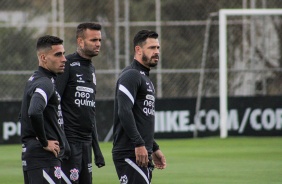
x: 190, y: 161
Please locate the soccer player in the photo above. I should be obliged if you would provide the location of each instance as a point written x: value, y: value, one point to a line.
x: 77, y: 86
x: 44, y: 144
x: 135, y: 152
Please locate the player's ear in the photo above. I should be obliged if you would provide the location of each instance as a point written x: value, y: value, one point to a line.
x: 80, y: 42
x: 138, y: 50
x: 42, y: 57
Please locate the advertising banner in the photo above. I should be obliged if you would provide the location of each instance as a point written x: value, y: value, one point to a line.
x: 176, y: 118
x: 247, y: 116
x: 10, y: 128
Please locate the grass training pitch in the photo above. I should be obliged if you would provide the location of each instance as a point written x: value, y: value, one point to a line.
x: 235, y: 160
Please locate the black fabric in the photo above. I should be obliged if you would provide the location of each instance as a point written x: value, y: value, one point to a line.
x: 98, y: 156
x: 77, y: 87
x: 36, y: 176
x: 40, y: 121
x: 35, y: 112
x: 134, y: 112
x: 78, y: 168
x: 155, y: 146
x: 34, y: 156
x: 128, y: 173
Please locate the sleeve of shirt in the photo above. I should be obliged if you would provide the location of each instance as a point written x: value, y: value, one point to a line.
x: 62, y: 79
x: 38, y: 102
x: 99, y: 158
x: 128, y: 85
x: 155, y: 146
x: 95, y: 141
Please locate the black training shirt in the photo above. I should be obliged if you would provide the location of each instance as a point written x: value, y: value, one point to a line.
x: 41, y: 120
x: 77, y: 86
x: 134, y: 112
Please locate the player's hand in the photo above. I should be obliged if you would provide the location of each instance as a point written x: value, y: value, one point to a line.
x: 53, y: 146
x: 141, y: 154
x: 98, y: 156
x: 159, y: 159
x: 99, y: 161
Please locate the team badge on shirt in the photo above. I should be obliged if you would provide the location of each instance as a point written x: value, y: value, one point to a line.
x: 143, y: 73
x: 79, y: 78
x: 57, y: 172
x: 75, y: 64
x: 123, y: 180
x: 74, y: 174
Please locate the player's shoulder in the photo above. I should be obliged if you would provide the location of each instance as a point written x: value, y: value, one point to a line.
x: 130, y: 75
x: 76, y: 62
x: 71, y: 57
x: 40, y: 78
x: 43, y: 82
x: 46, y: 81
x: 72, y: 60
x: 130, y: 72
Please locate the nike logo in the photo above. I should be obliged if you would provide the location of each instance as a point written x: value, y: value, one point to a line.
x: 79, y: 75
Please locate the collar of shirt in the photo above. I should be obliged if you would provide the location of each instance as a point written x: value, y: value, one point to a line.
x: 135, y: 64
x: 82, y: 59
x: 47, y: 72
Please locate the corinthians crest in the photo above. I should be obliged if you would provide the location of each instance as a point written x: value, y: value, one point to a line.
x: 74, y: 174
x: 57, y: 172
x: 123, y: 180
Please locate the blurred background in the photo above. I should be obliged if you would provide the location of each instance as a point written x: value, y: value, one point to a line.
x: 189, y: 38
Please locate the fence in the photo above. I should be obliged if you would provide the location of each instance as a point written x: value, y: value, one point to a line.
x: 254, y: 44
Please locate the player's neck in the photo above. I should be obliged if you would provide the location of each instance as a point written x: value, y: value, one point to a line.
x: 83, y: 55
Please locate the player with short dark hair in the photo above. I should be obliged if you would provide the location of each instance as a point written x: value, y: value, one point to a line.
x: 81, y: 28
x: 77, y: 86
x: 44, y: 144
x: 135, y: 152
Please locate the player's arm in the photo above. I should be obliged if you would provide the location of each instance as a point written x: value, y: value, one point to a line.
x: 35, y: 112
x: 38, y: 102
x: 155, y: 146
x: 158, y: 157
x: 98, y: 156
x: 127, y: 119
x: 126, y: 94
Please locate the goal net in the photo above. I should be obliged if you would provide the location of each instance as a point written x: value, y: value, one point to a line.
x: 250, y: 45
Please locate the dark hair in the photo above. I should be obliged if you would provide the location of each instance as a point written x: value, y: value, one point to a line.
x: 142, y: 35
x: 87, y: 25
x: 48, y: 41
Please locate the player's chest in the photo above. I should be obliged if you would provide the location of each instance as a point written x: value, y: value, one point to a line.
x: 82, y: 76
x: 147, y: 86
x: 146, y: 92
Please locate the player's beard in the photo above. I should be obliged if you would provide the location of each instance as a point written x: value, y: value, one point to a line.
x: 149, y: 61
x: 88, y: 51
